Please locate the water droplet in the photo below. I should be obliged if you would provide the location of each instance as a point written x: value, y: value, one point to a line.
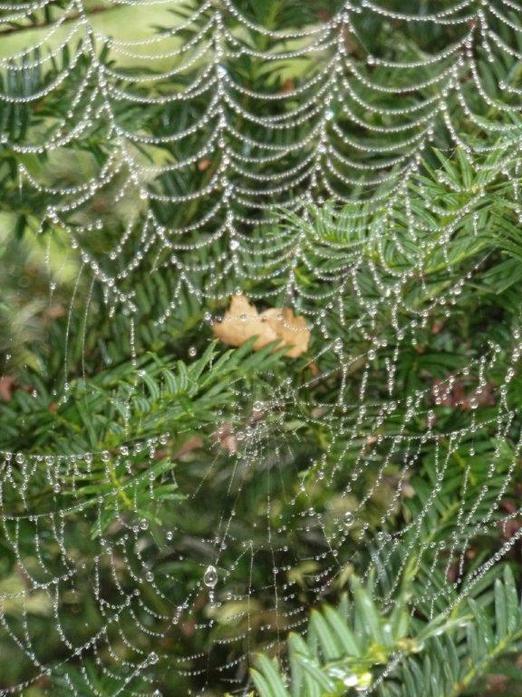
x: 192, y: 351
x: 210, y: 577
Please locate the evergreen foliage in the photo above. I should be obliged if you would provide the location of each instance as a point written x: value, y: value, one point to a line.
x: 442, y: 657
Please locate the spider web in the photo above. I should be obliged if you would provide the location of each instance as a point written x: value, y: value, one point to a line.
x: 186, y: 98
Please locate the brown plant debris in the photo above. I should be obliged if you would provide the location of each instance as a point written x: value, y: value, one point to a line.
x: 242, y: 321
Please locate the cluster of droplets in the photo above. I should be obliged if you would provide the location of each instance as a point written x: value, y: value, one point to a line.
x: 248, y: 161
x: 256, y: 446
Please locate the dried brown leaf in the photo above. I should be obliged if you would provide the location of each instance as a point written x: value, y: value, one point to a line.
x: 7, y: 387
x: 292, y: 330
x: 193, y: 443
x: 54, y: 312
x: 287, y: 86
x: 204, y: 164
x: 242, y: 321
x: 225, y: 437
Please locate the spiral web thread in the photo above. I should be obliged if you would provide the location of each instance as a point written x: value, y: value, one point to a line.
x: 343, y: 127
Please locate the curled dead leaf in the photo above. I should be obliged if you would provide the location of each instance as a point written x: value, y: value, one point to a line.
x: 54, y: 312
x: 497, y: 684
x: 313, y: 368
x: 204, y: 164
x: 193, y: 443
x: 287, y: 86
x: 7, y: 387
x: 324, y: 15
x: 242, y: 321
x: 225, y: 438
x: 452, y: 393
x: 292, y: 330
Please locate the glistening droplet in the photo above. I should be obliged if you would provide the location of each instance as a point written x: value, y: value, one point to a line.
x: 210, y: 577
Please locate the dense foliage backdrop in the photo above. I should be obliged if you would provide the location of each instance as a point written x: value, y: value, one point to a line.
x: 406, y: 275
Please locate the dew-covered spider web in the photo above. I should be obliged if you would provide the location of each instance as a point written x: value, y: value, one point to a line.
x: 162, y: 153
